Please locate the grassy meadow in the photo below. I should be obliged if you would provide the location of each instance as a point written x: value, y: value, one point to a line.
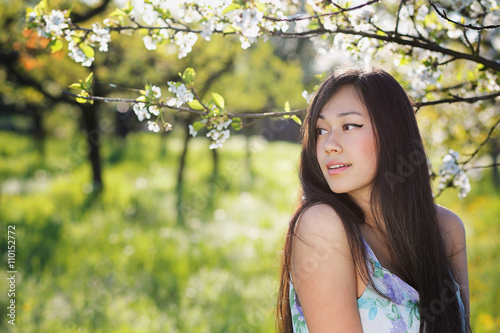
x: 121, y: 262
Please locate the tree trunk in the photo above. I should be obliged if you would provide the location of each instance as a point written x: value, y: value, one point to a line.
x: 180, y: 174
x: 93, y: 134
x: 39, y: 133
x: 215, y: 165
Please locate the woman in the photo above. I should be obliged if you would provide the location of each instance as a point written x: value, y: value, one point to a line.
x: 367, y: 249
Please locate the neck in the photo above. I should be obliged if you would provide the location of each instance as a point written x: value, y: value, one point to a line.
x: 372, y: 213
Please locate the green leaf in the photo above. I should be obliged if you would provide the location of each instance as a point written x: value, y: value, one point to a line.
x: 198, y: 125
x: 260, y: 6
x: 219, y: 100
x: 286, y: 116
x: 188, y: 76
x: 231, y: 7
x: 88, y: 50
x: 83, y: 93
x: 118, y: 12
x: 88, y: 79
x: 321, y: 76
x: 236, y: 123
x: 129, y: 7
x: 287, y: 106
x: 41, y: 7
x: 297, y: 119
x: 142, y: 92
x: 56, y: 45
x: 76, y: 85
x: 141, y: 99
x: 229, y: 30
x: 195, y: 105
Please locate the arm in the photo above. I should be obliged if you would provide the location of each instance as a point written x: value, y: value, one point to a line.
x: 323, y: 272
x: 454, y: 236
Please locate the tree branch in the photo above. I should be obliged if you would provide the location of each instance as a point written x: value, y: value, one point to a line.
x: 413, y: 41
x: 340, y: 11
x: 184, y: 109
x: 456, y: 99
x: 467, y: 26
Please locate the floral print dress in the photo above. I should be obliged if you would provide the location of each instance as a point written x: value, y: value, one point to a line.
x: 400, y: 314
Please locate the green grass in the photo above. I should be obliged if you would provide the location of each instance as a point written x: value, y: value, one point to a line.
x: 121, y: 262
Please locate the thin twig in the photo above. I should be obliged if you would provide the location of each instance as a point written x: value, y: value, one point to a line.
x: 397, y: 17
x: 482, y: 166
x: 482, y: 143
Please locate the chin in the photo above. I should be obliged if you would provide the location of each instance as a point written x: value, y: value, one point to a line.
x: 340, y: 189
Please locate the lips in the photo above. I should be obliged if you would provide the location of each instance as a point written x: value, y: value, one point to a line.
x: 336, y: 167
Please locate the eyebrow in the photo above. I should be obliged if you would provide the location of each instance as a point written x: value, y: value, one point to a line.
x: 342, y: 114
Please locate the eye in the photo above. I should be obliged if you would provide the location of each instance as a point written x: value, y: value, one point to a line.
x: 320, y: 131
x: 348, y: 127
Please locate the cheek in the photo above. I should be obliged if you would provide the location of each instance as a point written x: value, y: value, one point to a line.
x: 368, y: 147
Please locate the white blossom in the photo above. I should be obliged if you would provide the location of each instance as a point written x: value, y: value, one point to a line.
x: 150, y: 43
x: 422, y: 77
x: 329, y: 24
x: 208, y: 28
x: 154, y: 110
x: 192, y: 131
x: 141, y: 111
x: 422, y: 12
x: 271, y: 25
x: 153, y: 91
x: 182, y: 93
x: 55, y: 23
x: 451, y: 172
x: 101, y: 36
x: 150, y: 15
x: 78, y: 55
x: 245, y: 42
x: 406, y: 12
x: 153, y: 127
x: 33, y: 17
x: 462, y: 182
x: 219, y: 132
x: 307, y: 96
x: 185, y: 41
x: 249, y: 21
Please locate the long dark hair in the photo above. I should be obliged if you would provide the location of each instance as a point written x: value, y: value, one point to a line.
x: 408, y: 211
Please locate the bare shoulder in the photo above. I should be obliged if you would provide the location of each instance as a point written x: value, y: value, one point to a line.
x: 321, y: 226
x: 453, y: 230
x: 318, y: 219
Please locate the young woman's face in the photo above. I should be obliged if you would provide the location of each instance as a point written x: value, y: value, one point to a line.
x: 346, y: 144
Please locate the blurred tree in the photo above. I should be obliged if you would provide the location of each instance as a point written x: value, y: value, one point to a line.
x: 444, y: 52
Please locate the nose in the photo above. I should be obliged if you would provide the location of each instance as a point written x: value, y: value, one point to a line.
x: 332, y: 144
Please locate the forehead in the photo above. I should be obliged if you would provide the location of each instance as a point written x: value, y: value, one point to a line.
x: 346, y: 101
